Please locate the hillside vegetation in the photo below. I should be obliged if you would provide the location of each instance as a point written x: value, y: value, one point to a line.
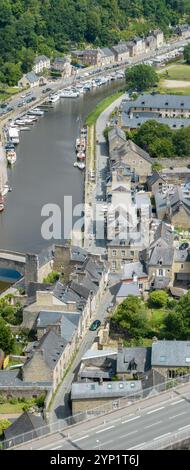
x: 28, y: 27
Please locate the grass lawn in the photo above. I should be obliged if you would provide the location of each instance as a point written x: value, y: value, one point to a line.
x: 172, y: 91
x: 8, y: 408
x: 177, y: 72
x: 93, y: 116
x: 156, y: 316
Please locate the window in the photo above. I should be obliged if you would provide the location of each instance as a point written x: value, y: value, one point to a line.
x: 182, y: 266
x: 114, y: 252
x: 162, y: 358
x: 132, y: 385
x: 160, y: 272
x: 140, y: 286
x: 160, y: 262
x: 121, y: 385
x: 132, y: 253
x: 109, y: 386
x: 187, y: 359
x: 122, y: 252
x: 92, y: 387
x: 113, y: 265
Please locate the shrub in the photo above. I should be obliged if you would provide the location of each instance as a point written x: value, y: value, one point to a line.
x: 158, y: 299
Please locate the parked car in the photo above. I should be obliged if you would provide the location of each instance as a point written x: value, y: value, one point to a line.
x: 95, y: 325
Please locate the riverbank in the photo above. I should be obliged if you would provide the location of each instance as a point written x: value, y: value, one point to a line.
x: 94, y: 115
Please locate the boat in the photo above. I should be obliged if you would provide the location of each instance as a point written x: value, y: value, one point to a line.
x: 80, y: 144
x: 1, y: 203
x: 69, y: 94
x: 36, y: 112
x: 83, y: 132
x: 13, y: 135
x: 54, y: 98
x: 80, y: 165
x: 81, y: 155
x: 11, y: 156
x: 9, y: 145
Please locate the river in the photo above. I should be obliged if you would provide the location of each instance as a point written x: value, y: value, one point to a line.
x: 44, y: 171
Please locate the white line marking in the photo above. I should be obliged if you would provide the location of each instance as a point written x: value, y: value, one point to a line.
x: 128, y: 420
x: 163, y: 435
x: 179, y: 414
x: 151, y: 425
x: 176, y: 402
x: 80, y: 439
x: 154, y: 411
x: 105, y: 429
x: 136, y: 447
x: 58, y: 447
x: 184, y: 427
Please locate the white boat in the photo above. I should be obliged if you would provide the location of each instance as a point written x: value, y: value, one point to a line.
x: 13, y: 135
x: 5, y: 190
x: 36, y: 112
x: 1, y: 203
x: 54, y: 98
x: 80, y: 165
x: 11, y: 156
x: 69, y: 94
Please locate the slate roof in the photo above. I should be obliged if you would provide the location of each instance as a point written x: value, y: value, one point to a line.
x: 32, y: 77
x: 107, y: 52
x: 154, y: 178
x: 134, y: 358
x: 12, y: 379
x: 120, y: 48
x: 29, y: 423
x: 47, y: 318
x: 78, y: 254
x: 41, y: 58
x: 128, y: 289
x: 182, y: 256
x: 116, y: 132
x: 135, y: 148
x: 137, y: 268
x: 162, y: 101
x: 51, y: 346
x: 161, y: 250
x: 46, y: 255
x: 136, y: 122
x: 161, y: 282
x: 33, y: 287
x: 171, y: 354
x: 87, y: 390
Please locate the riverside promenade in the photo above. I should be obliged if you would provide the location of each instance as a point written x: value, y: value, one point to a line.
x: 96, y: 190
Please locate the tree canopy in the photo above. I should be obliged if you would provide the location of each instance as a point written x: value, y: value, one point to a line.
x: 131, y: 316
x: 51, y: 26
x: 186, y: 53
x: 141, y: 77
x: 6, y: 338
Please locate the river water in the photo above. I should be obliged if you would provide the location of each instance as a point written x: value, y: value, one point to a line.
x: 44, y: 171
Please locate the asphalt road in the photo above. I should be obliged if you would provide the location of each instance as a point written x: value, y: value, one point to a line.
x: 132, y: 427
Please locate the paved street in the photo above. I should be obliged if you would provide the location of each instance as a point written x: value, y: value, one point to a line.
x: 132, y: 427
x: 60, y: 408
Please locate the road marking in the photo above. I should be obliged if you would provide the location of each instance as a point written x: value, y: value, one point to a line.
x: 179, y: 414
x: 163, y: 435
x: 136, y: 447
x: 120, y: 437
x: 132, y: 419
x: 154, y: 411
x: 176, y: 402
x: 184, y: 427
x: 105, y: 429
x: 58, y: 447
x: 151, y: 425
x: 80, y: 439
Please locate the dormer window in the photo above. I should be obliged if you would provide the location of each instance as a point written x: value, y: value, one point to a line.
x: 160, y: 262
x: 166, y: 104
x: 182, y: 104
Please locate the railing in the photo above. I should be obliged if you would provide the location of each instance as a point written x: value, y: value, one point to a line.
x: 179, y: 437
x: 109, y: 407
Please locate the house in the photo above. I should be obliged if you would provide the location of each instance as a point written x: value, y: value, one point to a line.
x: 88, y: 396
x: 171, y: 358
x: 63, y: 65
x: 49, y: 360
x: 177, y: 175
x: 156, y: 182
x: 158, y: 34
x: 98, y: 365
x: 136, y: 158
x: 116, y: 138
x: 41, y: 62
x: 174, y: 204
x: 126, y: 290
x: 12, y: 384
x: 108, y: 56
x: 181, y: 268
x: 156, y: 105
x: 150, y: 43
x: 88, y: 57
x: 159, y: 257
x: 121, y: 252
x: 26, y: 427
x: 68, y: 325
x: 135, y: 272
x: 121, y: 52
x: 29, y: 79
x: 133, y: 363
x: 183, y: 31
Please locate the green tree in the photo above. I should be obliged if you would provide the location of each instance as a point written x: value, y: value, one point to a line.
x: 51, y: 278
x: 186, y: 53
x: 161, y: 148
x: 12, y: 72
x: 131, y: 316
x: 4, y: 424
x: 157, y: 166
x: 181, y: 142
x: 173, y: 326
x: 158, y: 299
x: 7, y: 340
x: 141, y: 77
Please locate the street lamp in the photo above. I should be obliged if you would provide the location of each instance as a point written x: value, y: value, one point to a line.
x: 98, y: 442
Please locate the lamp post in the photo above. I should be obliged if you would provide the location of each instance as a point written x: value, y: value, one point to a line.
x: 98, y: 442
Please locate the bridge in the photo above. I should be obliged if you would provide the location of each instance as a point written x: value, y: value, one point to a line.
x: 31, y: 266
x: 156, y: 422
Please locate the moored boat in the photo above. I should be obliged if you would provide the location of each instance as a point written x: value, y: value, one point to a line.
x: 11, y: 156
x: 2, y: 206
x: 79, y: 165
x: 81, y: 155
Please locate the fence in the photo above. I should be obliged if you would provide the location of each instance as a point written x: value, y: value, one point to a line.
x: 112, y: 405
x: 181, y: 438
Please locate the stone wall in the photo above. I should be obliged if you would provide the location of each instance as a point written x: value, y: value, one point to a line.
x: 174, y: 162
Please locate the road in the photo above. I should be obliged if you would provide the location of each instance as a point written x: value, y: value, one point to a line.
x: 60, y: 408
x: 133, y: 427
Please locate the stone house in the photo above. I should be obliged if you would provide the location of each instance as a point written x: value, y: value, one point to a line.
x: 136, y: 158
x: 133, y: 363
x: 181, y: 268
x: 150, y: 43
x: 48, y: 361
x: 40, y: 63
x: 116, y: 138
x: 136, y: 272
x: 126, y: 290
x: 171, y: 358
x: 121, y: 52
x: 98, y: 365
x: 158, y: 34
x: 30, y: 79
x: 160, y: 106
x: 121, y: 252
x: 87, y: 396
x: 63, y: 65
x: 183, y: 31
x: 156, y: 182
x: 174, y: 204
x: 108, y: 56
x: 88, y: 56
